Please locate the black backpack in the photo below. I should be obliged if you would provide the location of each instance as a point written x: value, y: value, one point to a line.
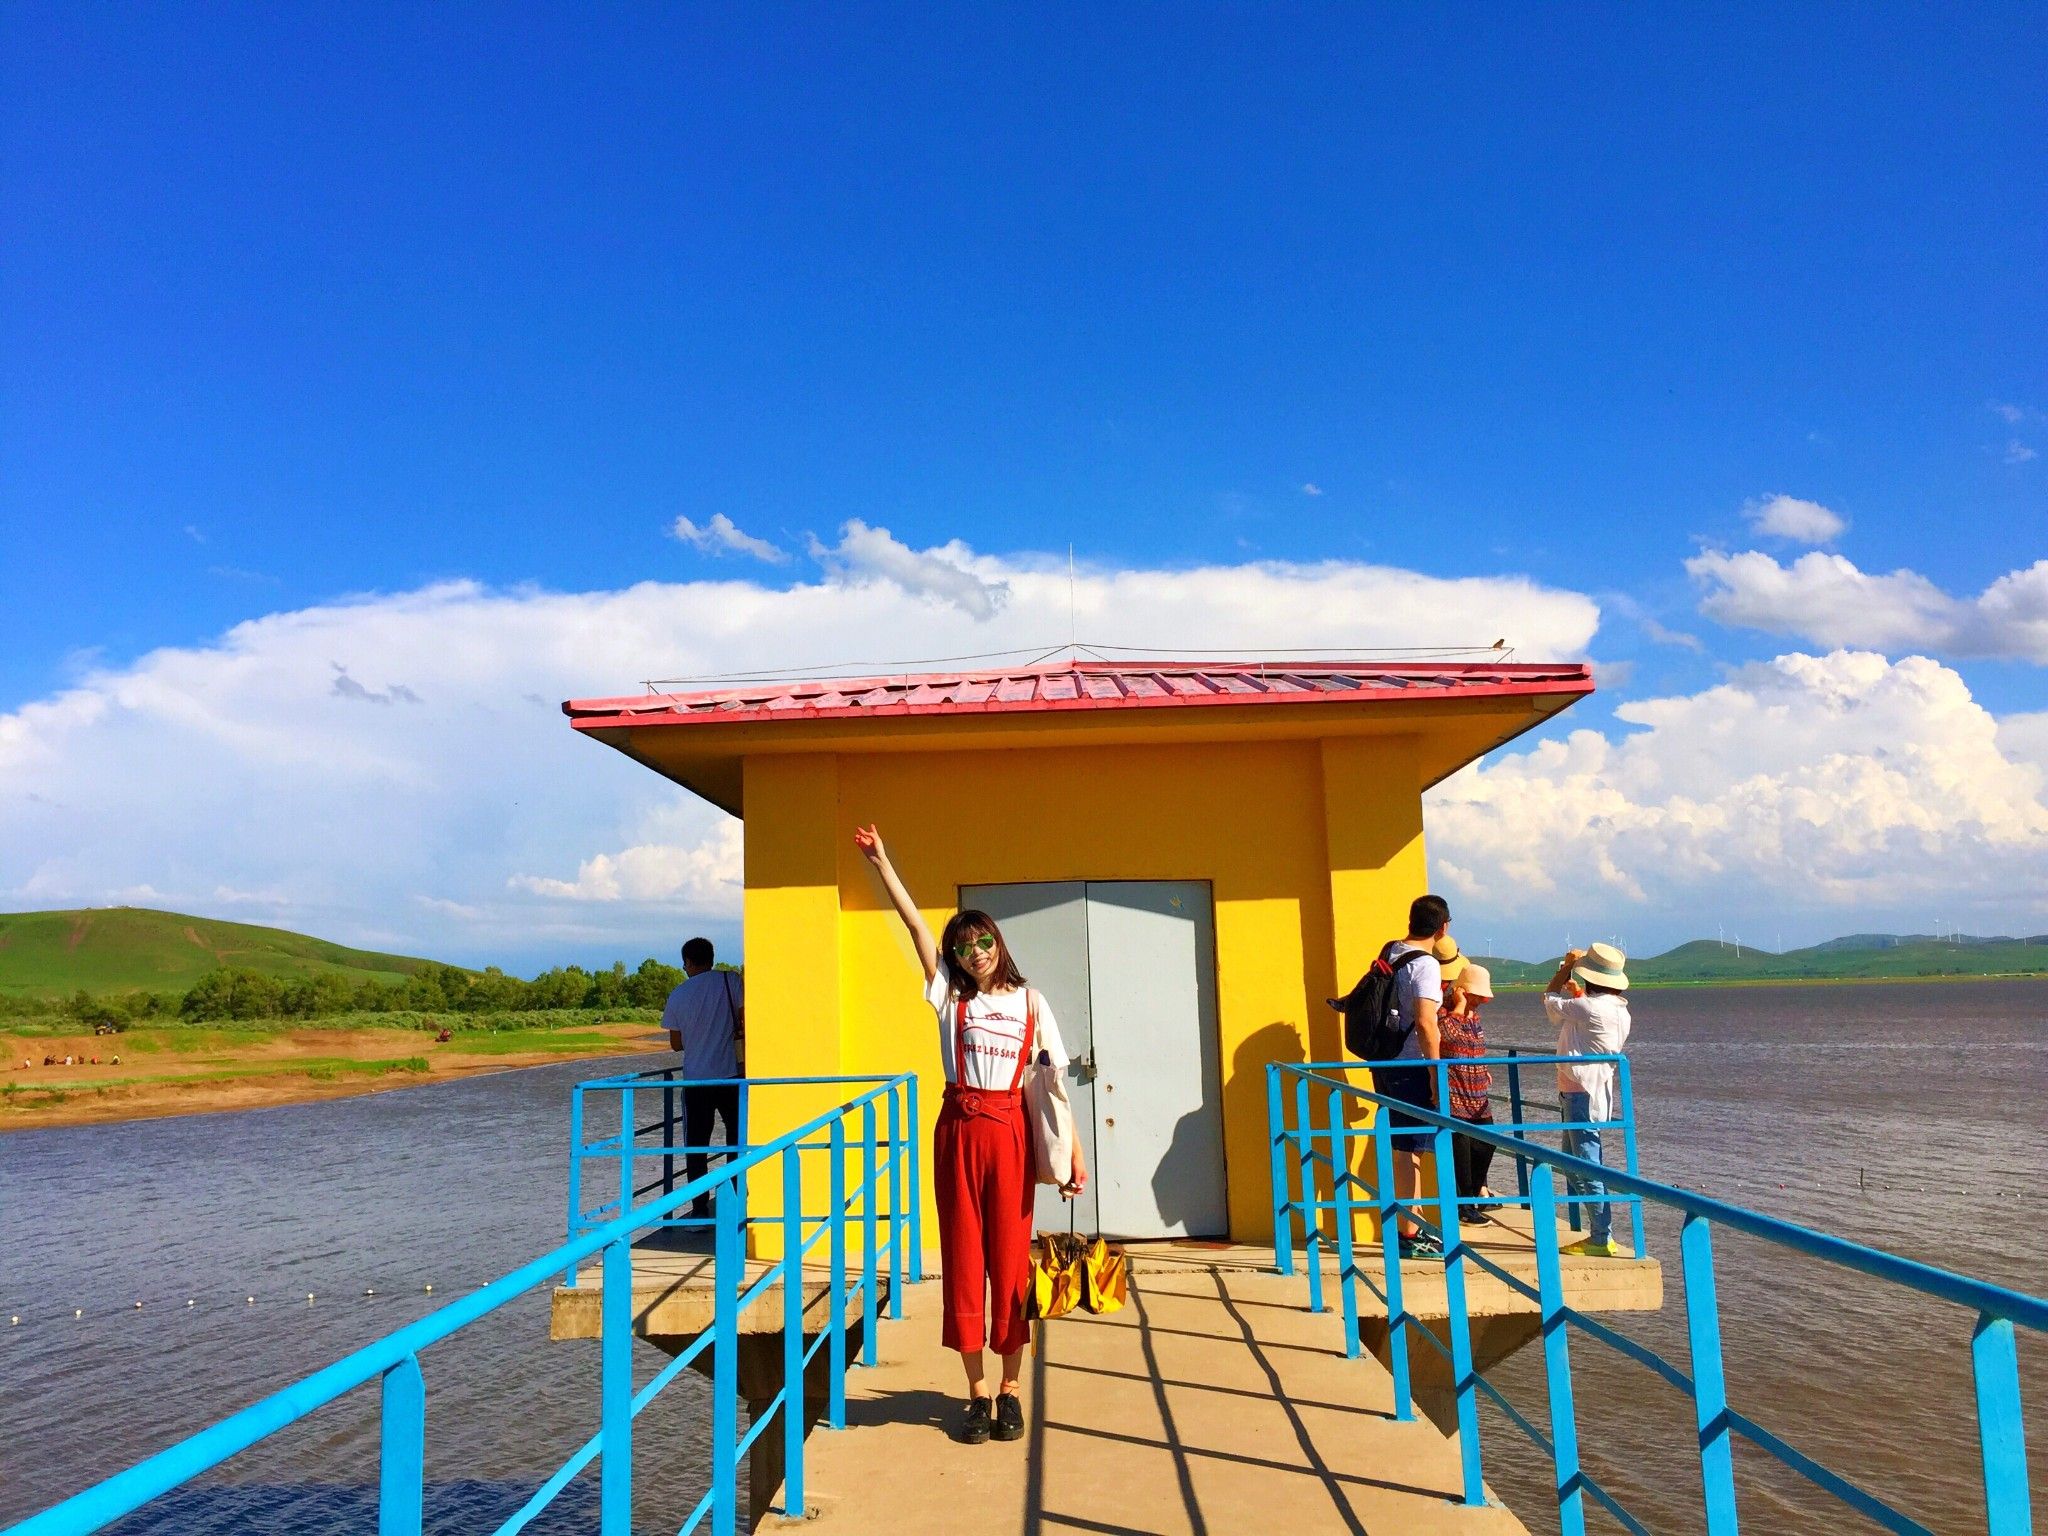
x: 1372, y: 1023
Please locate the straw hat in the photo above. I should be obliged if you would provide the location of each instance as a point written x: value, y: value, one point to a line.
x: 1478, y: 981
x: 1602, y: 966
x: 1450, y: 961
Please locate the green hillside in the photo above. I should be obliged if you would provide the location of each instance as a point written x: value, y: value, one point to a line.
x: 1861, y: 957
x: 126, y: 949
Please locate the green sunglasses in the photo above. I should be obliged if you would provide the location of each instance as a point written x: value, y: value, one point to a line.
x: 982, y: 941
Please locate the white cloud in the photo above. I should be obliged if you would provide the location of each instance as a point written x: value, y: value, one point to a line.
x: 2017, y: 452
x: 1826, y: 782
x: 1825, y: 599
x: 235, y: 764
x: 1311, y: 489
x: 703, y: 877
x: 1787, y: 517
x: 870, y: 554
x: 721, y: 534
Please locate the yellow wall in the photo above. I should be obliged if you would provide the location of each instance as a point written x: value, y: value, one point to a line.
x: 1312, y: 850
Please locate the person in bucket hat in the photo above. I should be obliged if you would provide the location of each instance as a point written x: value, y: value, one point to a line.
x: 1587, y: 999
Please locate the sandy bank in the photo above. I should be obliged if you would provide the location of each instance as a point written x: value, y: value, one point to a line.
x: 202, y: 1071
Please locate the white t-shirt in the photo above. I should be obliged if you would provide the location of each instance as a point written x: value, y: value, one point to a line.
x: 703, y: 1010
x: 1589, y: 1026
x: 994, y: 1035
x: 1419, y: 981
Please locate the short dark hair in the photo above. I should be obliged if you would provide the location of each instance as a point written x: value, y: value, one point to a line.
x: 1426, y: 914
x: 698, y: 952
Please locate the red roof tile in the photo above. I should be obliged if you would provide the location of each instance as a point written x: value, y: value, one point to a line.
x: 1084, y: 685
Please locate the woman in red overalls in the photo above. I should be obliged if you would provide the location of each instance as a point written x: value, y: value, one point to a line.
x: 991, y: 1027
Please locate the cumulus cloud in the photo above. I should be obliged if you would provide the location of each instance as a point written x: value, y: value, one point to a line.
x: 476, y: 825
x: 346, y: 687
x: 1826, y: 600
x: 1840, y: 781
x: 1787, y: 517
x: 721, y: 534
x: 1311, y: 489
x: 941, y: 574
x: 2017, y: 452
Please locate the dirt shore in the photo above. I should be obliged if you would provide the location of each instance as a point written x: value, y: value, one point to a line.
x: 204, y: 1071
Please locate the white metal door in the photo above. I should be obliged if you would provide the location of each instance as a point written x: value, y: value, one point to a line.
x: 1159, y: 1168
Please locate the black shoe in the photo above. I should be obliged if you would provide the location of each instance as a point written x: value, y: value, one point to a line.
x: 974, y: 1427
x: 1009, y: 1417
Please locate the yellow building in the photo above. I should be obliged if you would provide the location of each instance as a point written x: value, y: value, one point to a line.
x: 1186, y: 861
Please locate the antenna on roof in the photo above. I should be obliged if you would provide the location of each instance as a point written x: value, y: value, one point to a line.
x: 1073, y: 628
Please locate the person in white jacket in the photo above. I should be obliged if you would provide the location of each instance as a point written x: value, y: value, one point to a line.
x: 1588, y: 1002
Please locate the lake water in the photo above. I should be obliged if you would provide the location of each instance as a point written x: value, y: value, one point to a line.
x: 1910, y: 1117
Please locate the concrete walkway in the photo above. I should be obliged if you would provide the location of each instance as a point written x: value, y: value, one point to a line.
x: 1212, y: 1403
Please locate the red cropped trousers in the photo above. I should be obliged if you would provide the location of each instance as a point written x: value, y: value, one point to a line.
x: 981, y: 1161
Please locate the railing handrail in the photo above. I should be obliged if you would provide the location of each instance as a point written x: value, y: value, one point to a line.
x: 1515, y: 1058
x: 156, y: 1475
x: 1962, y: 1290
x: 659, y: 1075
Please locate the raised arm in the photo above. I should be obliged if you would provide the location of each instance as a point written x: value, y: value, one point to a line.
x: 1561, y: 982
x: 869, y: 841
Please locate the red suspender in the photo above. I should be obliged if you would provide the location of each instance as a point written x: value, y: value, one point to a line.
x: 1023, y: 1056
x: 1030, y: 1034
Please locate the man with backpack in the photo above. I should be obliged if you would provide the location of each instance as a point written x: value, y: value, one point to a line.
x: 1391, y: 1015
x: 704, y: 1018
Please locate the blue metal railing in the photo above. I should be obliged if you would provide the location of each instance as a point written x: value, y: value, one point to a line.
x: 394, y: 1361
x: 629, y: 1090
x: 1998, y: 1312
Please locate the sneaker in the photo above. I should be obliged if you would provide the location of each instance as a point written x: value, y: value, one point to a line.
x: 1009, y: 1418
x: 974, y: 1427
x: 1586, y: 1248
x: 1421, y: 1246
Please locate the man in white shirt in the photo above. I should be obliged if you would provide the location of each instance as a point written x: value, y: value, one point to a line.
x: 1418, y: 995
x: 1588, y: 1002
x: 705, y: 1017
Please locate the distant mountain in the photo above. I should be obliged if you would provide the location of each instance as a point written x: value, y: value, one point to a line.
x: 1862, y: 956
x: 126, y: 949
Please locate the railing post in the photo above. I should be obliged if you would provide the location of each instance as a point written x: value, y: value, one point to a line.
x: 896, y: 1222
x: 626, y: 1138
x: 668, y: 1130
x: 1628, y: 1148
x: 1709, y: 1387
x: 402, y: 1466
x: 1311, y: 1218
x: 1459, y: 1321
x: 1276, y: 1140
x: 916, y: 1137
x: 792, y: 1334
x: 615, y: 1392
x: 2001, y: 1431
x: 746, y: 1135
x: 867, y: 1233
x: 575, y: 1171
x: 727, y: 1264
x: 1340, y: 1184
x: 1390, y: 1253
x: 835, y: 1405
x: 1515, y: 1120
x: 1557, y: 1359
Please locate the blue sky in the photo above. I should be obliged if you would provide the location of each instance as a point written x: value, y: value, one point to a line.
x: 303, y: 305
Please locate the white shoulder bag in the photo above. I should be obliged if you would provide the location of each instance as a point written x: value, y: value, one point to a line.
x: 1051, y: 1115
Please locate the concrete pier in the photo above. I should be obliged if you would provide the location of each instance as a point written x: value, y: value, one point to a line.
x: 1215, y: 1401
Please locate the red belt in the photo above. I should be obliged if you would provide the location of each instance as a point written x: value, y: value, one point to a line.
x: 996, y: 1103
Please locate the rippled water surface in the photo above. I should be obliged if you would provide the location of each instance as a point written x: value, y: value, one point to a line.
x: 1910, y: 1117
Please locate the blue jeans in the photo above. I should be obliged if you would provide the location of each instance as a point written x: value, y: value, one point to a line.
x: 1586, y: 1144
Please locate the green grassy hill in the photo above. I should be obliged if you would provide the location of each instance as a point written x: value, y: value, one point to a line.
x: 127, y: 949
x: 1861, y: 957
